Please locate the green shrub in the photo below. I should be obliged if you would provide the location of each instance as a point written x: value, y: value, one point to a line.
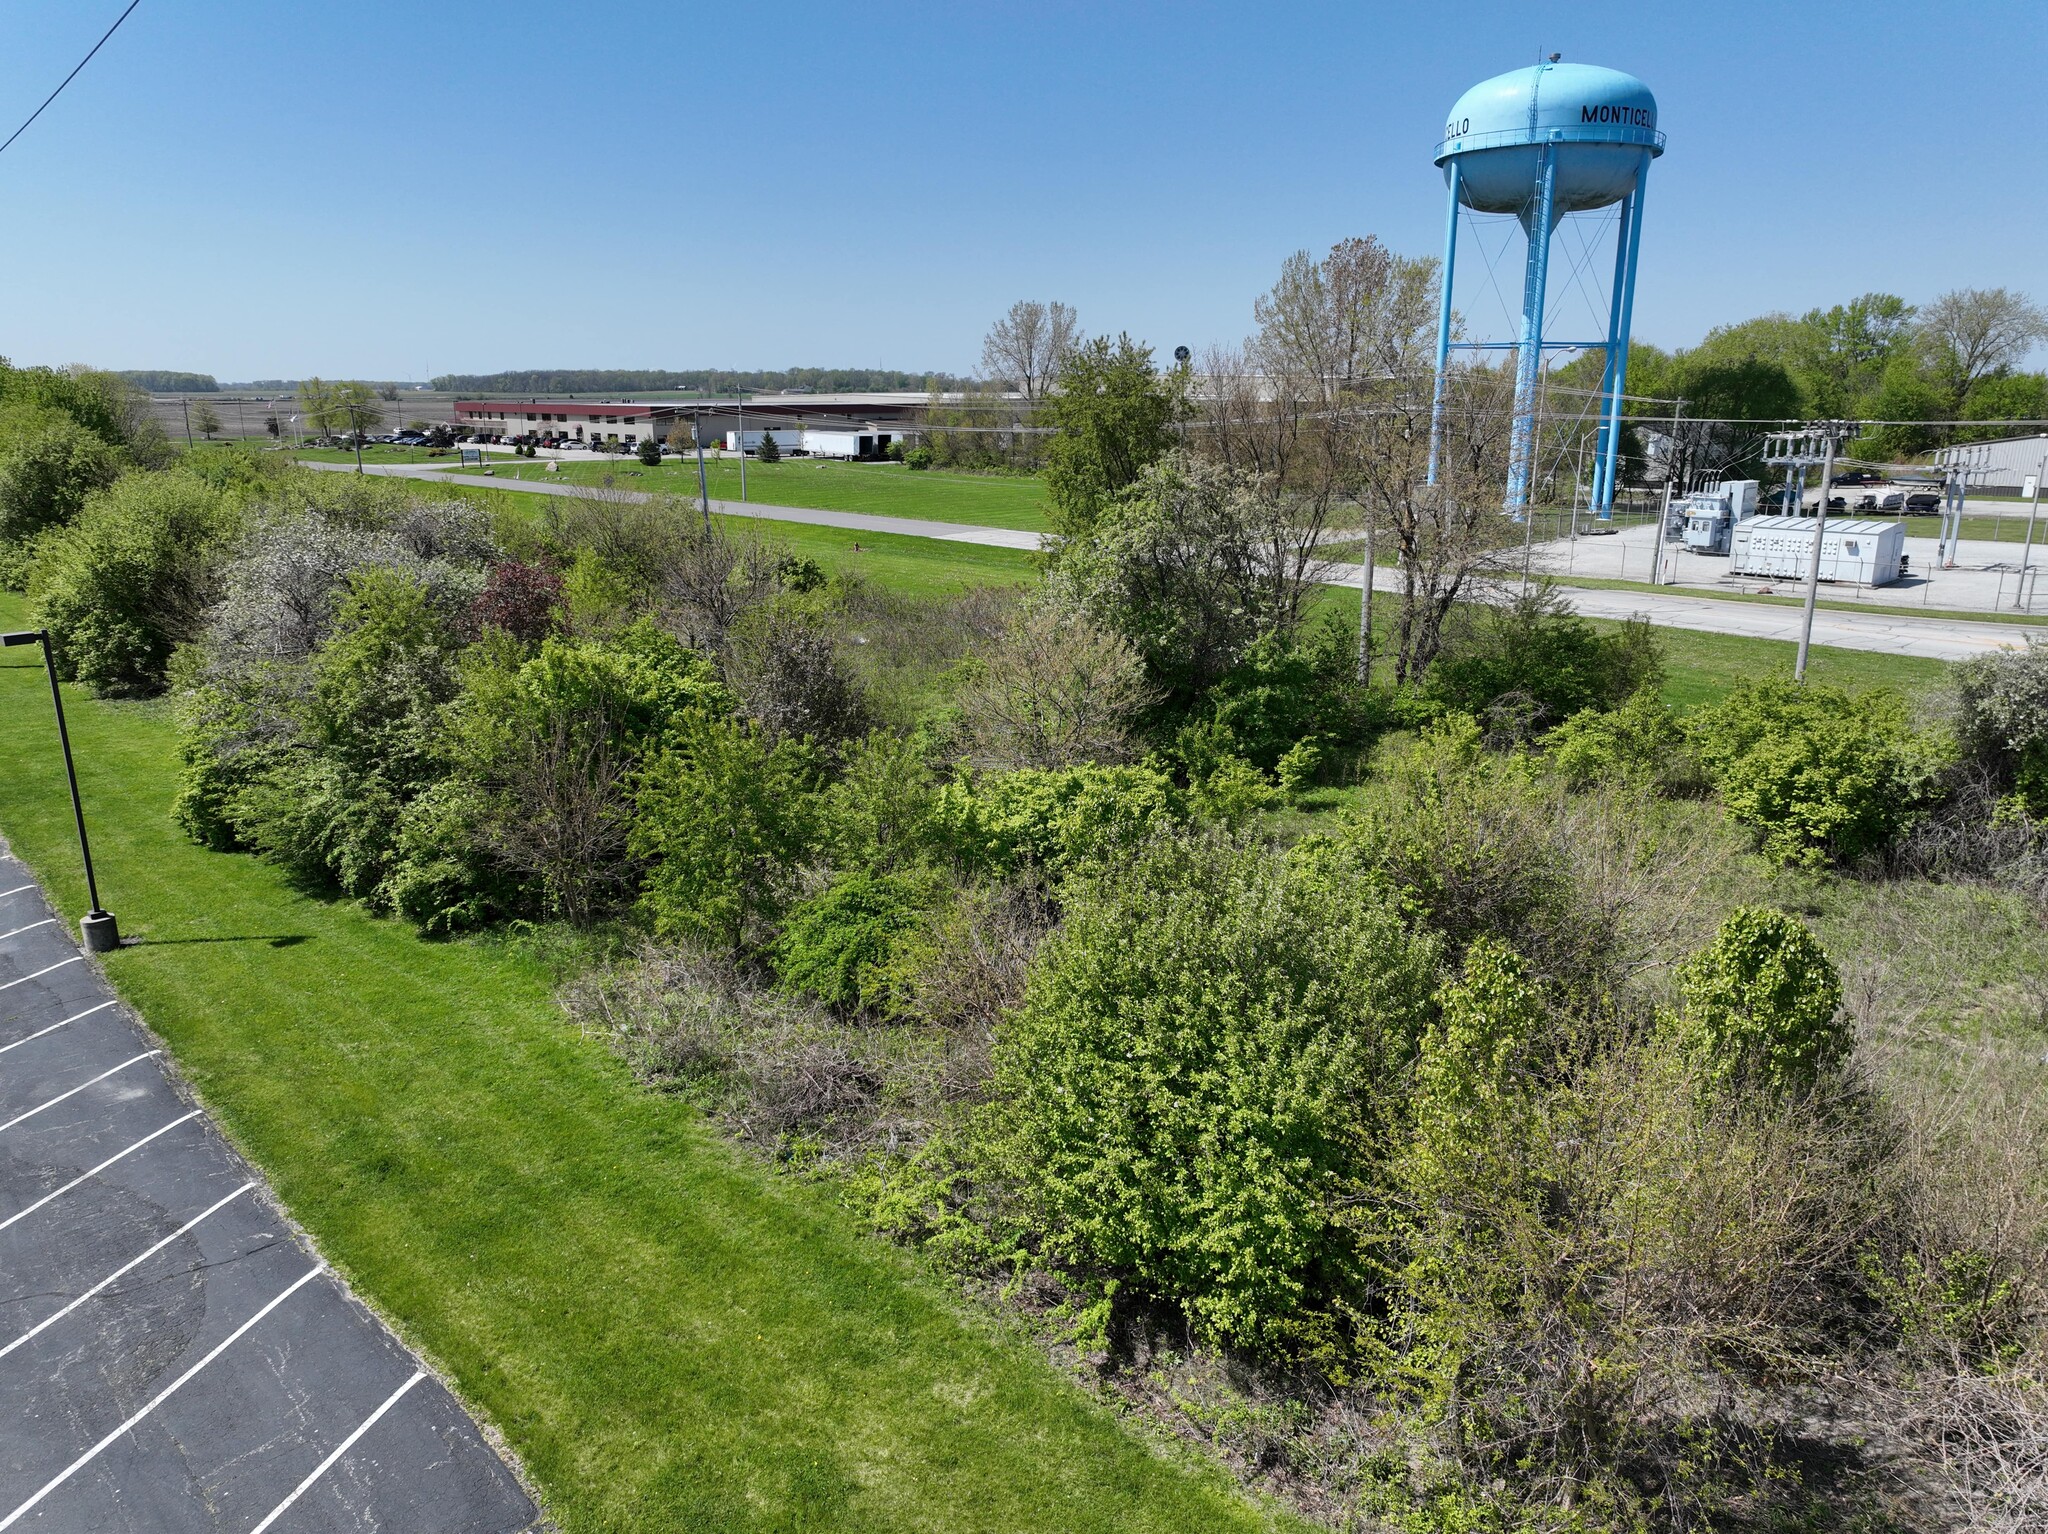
x: 1537, y: 652
x: 770, y: 451
x: 1819, y: 774
x: 130, y: 579
x: 1206, y: 1068
x: 1299, y: 767
x: 1761, y: 1006
x: 847, y: 945
x: 1054, y: 820
x: 726, y: 819
x: 442, y: 877
x: 46, y: 476
x: 919, y: 457
x: 2000, y: 704
x: 1232, y: 793
x: 649, y: 454
x: 1472, y: 841
x: 1639, y: 742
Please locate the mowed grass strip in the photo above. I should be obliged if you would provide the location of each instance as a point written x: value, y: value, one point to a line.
x: 670, y: 1336
x: 880, y: 489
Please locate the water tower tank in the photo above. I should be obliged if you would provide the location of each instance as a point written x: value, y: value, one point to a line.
x: 1540, y: 143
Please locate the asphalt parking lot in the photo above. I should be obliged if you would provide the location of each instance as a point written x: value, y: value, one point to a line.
x: 172, y: 1357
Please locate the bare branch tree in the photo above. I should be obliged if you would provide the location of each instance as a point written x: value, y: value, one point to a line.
x: 1026, y: 346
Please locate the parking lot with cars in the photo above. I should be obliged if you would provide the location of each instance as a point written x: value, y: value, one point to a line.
x: 174, y: 1358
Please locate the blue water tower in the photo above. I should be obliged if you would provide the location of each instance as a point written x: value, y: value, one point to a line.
x: 1540, y: 143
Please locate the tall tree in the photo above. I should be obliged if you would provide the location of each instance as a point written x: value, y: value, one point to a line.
x: 1028, y: 346
x: 1975, y: 333
x: 205, y: 421
x: 1113, y: 415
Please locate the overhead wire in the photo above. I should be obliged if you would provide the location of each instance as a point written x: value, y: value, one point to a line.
x: 38, y: 112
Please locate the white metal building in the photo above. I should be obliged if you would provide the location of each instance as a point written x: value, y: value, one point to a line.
x: 2002, y: 467
x: 1862, y: 552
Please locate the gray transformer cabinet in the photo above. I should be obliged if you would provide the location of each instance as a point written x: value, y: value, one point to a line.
x: 1864, y: 553
x: 1711, y: 516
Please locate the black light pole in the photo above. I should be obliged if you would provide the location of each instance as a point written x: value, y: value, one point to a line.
x: 99, y: 930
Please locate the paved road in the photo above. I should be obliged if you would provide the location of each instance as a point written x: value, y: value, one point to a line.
x: 1934, y: 638
x: 173, y: 1360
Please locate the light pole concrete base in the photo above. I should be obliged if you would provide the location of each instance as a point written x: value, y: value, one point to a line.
x: 100, y: 932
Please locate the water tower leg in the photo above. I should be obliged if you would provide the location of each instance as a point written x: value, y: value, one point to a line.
x: 1610, y: 405
x: 1535, y: 275
x: 1633, y: 232
x: 1443, y: 326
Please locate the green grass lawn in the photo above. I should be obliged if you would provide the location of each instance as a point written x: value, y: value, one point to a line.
x: 881, y: 489
x: 1700, y: 667
x: 669, y: 1335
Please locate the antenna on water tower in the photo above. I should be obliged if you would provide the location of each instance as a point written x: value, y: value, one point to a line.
x: 1540, y: 143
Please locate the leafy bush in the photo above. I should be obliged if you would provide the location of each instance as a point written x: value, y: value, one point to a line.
x: 1536, y: 651
x: 1819, y: 774
x: 1639, y: 742
x: 1232, y: 792
x: 1762, y: 1006
x: 1054, y: 691
x: 130, y: 579
x: 1285, y: 691
x: 847, y: 945
x: 919, y: 457
x: 649, y: 454
x: 524, y: 600
x: 1055, y: 821
x: 1203, y: 1073
x: 725, y: 817
x: 1298, y: 768
x: 2000, y: 705
x: 46, y: 475
x: 785, y: 666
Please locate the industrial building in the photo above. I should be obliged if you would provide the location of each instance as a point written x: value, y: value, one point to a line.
x: 819, y: 425
x: 2004, y: 466
x: 1864, y: 553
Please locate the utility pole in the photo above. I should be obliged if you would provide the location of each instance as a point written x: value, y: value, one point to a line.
x: 1814, y: 444
x: 185, y: 400
x: 703, y: 491
x: 741, y: 395
x: 2033, y: 507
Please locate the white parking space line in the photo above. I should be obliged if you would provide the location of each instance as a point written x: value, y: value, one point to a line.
x: 339, y: 1449
x: 126, y: 1267
x: 88, y: 1012
x: 102, y: 1076
x: 155, y: 1401
x: 88, y: 1176
x: 19, y: 889
x: 47, y: 921
x: 24, y: 980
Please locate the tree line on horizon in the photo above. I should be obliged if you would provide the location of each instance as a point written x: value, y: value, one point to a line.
x: 701, y: 380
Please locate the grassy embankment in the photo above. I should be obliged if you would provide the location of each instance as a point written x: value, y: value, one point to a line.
x: 669, y: 1335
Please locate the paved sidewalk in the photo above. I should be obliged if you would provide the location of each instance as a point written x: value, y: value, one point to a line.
x: 173, y: 1360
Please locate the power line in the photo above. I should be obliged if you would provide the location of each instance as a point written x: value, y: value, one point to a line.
x: 38, y: 112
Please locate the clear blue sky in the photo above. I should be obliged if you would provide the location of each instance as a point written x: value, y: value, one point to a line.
x: 385, y: 190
